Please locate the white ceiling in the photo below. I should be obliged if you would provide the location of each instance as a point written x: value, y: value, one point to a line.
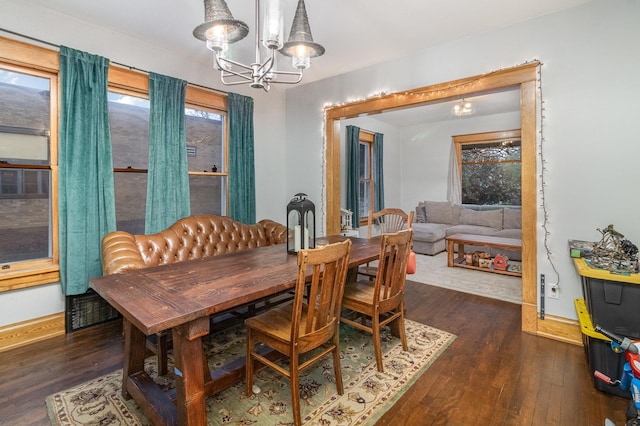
x: 494, y: 103
x: 355, y: 33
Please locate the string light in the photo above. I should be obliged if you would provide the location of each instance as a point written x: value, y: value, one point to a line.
x: 543, y: 181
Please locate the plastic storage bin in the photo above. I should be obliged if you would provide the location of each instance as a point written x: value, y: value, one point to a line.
x: 613, y: 300
x: 599, y: 353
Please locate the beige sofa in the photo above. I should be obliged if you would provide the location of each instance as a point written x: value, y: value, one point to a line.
x: 436, y: 220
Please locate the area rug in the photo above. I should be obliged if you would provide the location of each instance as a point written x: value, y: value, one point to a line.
x: 433, y: 270
x: 367, y: 392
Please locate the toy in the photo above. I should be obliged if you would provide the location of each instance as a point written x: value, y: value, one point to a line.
x: 630, y: 379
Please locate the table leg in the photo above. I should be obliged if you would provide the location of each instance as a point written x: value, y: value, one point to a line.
x: 449, y: 253
x: 190, y: 371
x: 134, y: 352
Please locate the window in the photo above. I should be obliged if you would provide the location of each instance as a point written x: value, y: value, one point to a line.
x: 367, y: 182
x: 490, y: 168
x: 129, y: 124
x: 29, y: 153
x: 26, y: 234
x: 206, y: 156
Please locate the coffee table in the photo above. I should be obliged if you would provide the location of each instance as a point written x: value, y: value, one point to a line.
x: 483, y: 241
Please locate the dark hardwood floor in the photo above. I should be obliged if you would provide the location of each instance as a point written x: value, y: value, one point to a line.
x: 493, y: 374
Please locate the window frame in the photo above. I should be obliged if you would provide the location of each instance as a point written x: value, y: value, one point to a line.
x: 25, y: 273
x: 224, y: 174
x: 483, y: 138
x: 20, y: 56
x: 366, y: 138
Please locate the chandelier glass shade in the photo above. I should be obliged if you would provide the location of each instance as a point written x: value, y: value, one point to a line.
x: 463, y: 108
x: 220, y: 30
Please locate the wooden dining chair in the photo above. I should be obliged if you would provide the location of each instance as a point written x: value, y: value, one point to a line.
x: 381, y: 302
x: 385, y: 221
x: 310, y: 321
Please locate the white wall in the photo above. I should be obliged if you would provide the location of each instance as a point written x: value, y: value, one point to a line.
x: 589, y: 84
x: 426, y: 150
x: 416, y: 158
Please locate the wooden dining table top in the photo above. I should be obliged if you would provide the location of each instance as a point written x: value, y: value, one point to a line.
x: 162, y: 297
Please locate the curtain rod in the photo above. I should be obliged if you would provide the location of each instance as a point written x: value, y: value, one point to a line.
x: 367, y: 131
x: 57, y: 46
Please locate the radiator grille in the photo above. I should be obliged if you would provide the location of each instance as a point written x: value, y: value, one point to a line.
x: 85, y: 310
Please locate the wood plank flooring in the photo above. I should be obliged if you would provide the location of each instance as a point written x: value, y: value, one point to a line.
x: 493, y: 374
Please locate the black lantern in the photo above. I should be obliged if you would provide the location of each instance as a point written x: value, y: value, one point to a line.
x: 301, y: 224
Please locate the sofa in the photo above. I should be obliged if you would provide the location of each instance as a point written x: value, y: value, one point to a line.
x: 436, y: 220
x: 192, y: 237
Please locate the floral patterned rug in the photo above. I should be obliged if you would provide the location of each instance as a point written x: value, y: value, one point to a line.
x: 367, y: 392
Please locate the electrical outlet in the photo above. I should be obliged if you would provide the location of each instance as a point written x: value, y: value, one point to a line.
x: 553, y: 290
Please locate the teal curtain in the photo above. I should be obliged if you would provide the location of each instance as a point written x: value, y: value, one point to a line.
x: 378, y: 171
x: 242, y: 181
x: 353, y: 172
x: 168, y: 197
x: 86, y: 203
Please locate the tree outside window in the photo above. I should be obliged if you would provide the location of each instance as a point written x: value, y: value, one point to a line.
x: 490, y: 168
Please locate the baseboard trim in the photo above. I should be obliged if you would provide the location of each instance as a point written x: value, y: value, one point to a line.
x: 31, y: 331
x: 562, y: 329
x: 35, y: 330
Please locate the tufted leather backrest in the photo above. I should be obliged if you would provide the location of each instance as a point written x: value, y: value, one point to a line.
x: 192, y: 237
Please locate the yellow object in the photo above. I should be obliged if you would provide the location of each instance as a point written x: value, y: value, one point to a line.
x: 589, y: 272
x: 585, y: 320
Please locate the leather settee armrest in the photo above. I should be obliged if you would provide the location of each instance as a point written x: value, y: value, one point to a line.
x: 275, y: 232
x: 120, y: 253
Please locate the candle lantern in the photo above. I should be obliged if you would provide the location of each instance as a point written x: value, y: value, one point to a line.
x: 301, y: 224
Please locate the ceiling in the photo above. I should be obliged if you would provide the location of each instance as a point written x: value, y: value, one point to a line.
x: 494, y: 103
x: 355, y: 33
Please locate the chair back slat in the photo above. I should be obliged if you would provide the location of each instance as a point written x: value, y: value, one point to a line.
x: 325, y: 290
x: 392, y: 266
x: 388, y: 221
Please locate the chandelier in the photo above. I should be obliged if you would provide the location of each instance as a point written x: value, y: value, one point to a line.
x: 463, y: 108
x: 220, y: 30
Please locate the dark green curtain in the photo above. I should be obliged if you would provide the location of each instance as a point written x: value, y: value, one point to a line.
x: 353, y: 172
x: 86, y: 194
x: 242, y: 183
x: 168, y: 197
x: 378, y: 171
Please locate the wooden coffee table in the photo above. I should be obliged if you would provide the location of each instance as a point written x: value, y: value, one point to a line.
x: 484, y: 241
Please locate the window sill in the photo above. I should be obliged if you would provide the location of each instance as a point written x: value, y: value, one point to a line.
x: 25, y: 278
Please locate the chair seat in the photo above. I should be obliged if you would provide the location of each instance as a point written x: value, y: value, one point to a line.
x: 361, y: 291
x: 276, y: 322
x: 368, y: 271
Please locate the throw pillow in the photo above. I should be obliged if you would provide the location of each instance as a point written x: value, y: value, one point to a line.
x: 512, y: 219
x: 490, y: 218
x: 438, y: 212
x: 421, y: 217
x: 455, y: 211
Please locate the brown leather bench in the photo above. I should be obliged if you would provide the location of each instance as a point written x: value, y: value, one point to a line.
x: 192, y: 237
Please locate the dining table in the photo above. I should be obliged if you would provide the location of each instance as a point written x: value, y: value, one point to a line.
x: 180, y: 298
